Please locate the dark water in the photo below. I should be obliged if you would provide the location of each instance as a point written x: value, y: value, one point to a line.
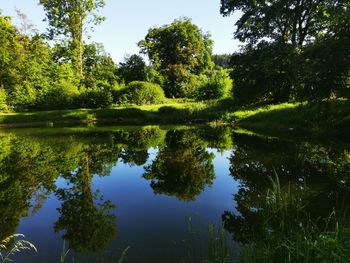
x: 98, y: 191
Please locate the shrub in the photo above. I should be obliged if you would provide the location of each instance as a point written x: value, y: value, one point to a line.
x: 154, y: 76
x: 95, y: 98
x: 24, y: 96
x: 190, y: 88
x: 116, y: 91
x: 218, y: 85
x: 61, y: 95
x: 140, y: 93
x: 181, y: 83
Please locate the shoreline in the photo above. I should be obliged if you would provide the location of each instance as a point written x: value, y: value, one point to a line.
x: 289, y: 118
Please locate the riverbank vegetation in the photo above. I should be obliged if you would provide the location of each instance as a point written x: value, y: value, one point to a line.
x: 325, y: 117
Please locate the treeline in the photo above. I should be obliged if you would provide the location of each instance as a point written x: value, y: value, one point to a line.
x: 59, y: 70
x: 294, y: 50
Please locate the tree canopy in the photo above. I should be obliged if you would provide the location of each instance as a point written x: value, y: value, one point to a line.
x: 69, y: 19
x: 177, y: 51
x: 133, y: 68
x: 291, y: 21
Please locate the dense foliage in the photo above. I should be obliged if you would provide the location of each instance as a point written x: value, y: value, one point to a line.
x: 294, y: 22
x: 143, y: 93
x: 179, y: 51
x: 297, y: 50
x: 70, y: 73
x: 34, y: 75
x: 217, y: 85
x: 133, y: 69
x: 69, y: 19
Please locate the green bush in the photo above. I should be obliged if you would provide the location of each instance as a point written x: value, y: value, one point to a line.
x: 141, y: 93
x: 190, y: 87
x: 95, y: 98
x: 181, y: 83
x: 154, y: 76
x: 218, y: 85
x: 24, y: 96
x: 62, y: 95
x: 116, y: 90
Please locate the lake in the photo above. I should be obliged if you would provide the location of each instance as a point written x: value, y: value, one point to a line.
x: 152, y: 193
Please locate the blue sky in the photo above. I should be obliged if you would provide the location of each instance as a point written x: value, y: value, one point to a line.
x: 128, y: 21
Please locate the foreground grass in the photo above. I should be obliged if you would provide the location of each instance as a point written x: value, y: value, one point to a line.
x: 289, y: 235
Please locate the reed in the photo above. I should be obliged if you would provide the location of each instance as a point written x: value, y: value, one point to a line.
x: 12, y: 245
x: 291, y: 236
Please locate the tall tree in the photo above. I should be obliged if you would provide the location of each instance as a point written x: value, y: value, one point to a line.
x: 99, y: 67
x: 290, y: 21
x: 69, y: 19
x: 10, y: 54
x: 178, y: 51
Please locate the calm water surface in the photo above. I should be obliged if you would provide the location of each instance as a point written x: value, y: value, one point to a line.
x: 98, y: 191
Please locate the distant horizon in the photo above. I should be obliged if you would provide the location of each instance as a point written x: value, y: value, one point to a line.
x: 123, y: 41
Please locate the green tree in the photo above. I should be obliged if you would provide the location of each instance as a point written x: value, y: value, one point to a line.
x: 327, y: 63
x: 63, y: 92
x: 133, y: 69
x: 327, y: 60
x: 36, y: 73
x: 69, y: 19
x: 3, y: 100
x: 10, y: 55
x: 265, y: 73
x: 295, y: 22
x: 26, y: 66
x: 99, y: 67
x: 222, y: 60
x: 178, y: 51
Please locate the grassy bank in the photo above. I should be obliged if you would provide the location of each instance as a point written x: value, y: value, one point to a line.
x: 170, y: 113
x: 321, y: 117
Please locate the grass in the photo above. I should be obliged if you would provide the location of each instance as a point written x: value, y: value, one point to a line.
x: 318, y: 117
x: 13, y: 245
x: 291, y: 236
x: 173, y: 112
x: 301, y: 117
x: 217, y: 248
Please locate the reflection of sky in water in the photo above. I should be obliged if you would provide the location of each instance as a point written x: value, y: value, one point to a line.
x: 155, y: 226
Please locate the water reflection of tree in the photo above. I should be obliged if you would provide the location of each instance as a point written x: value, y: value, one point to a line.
x: 29, y: 165
x: 88, y: 219
x: 316, y: 175
x: 136, y: 144
x: 25, y: 168
x: 182, y: 168
x: 219, y: 138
